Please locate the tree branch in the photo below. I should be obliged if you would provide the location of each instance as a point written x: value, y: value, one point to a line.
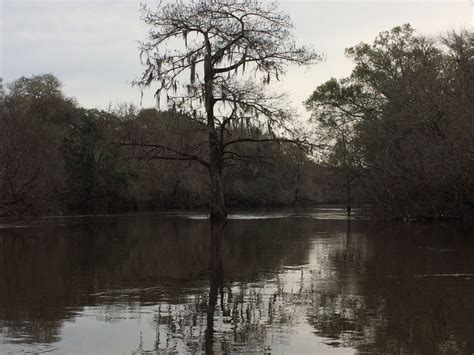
x: 181, y: 155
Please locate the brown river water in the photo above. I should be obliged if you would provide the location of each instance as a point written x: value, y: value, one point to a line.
x: 285, y: 282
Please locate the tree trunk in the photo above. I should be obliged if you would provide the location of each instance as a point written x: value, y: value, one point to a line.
x: 218, y: 212
x: 349, y: 202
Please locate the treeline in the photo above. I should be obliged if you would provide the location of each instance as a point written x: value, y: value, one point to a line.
x: 59, y: 158
x: 396, y: 135
x: 401, y: 126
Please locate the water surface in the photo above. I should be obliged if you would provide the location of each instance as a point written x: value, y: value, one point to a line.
x: 278, y: 282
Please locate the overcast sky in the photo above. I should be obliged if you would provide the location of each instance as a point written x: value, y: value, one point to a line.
x: 92, y: 45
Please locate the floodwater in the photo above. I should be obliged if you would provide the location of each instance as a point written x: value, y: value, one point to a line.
x: 294, y: 283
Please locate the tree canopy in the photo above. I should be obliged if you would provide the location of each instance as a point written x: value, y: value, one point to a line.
x: 406, y: 114
x: 214, y: 61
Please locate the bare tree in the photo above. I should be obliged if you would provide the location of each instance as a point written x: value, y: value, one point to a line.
x: 212, y: 59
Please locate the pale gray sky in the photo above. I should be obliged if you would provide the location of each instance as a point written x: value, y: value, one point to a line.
x: 91, y: 45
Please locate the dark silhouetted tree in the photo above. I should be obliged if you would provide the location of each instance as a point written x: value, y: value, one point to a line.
x: 408, y: 108
x: 219, y: 74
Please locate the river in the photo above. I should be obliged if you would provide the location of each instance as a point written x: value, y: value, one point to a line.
x: 290, y: 282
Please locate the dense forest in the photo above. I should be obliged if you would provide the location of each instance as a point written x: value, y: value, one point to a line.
x: 57, y: 158
x: 397, y: 135
x: 402, y: 124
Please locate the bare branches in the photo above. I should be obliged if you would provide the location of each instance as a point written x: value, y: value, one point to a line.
x: 235, y: 35
x: 303, y: 144
x: 221, y: 40
x: 158, y: 151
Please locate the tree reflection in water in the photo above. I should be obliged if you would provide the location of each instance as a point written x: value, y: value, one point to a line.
x: 216, y: 282
x: 147, y: 284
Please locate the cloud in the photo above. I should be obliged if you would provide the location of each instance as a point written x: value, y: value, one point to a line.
x: 92, y: 46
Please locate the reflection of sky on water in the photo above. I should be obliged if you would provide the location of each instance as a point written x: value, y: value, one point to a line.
x: 322, y: 213
x: 284, y: 326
